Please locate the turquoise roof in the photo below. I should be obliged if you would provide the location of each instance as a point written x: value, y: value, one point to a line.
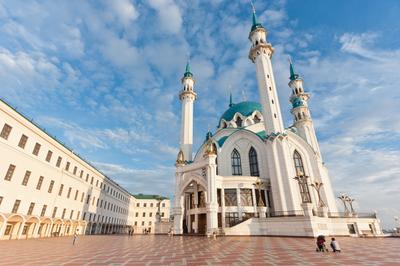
x: 244, y: 108
x: 256, y: 24
x: 188, y: 71
x: 297, y: 102
x: 293, y: 75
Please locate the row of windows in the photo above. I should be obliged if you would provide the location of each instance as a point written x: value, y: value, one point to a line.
x: 143, y: 223
x: 5, y: 133
x: 150, y: 214
x: 237, y: 164
x: 91, y: 217
x: 107, y: 205
x: 151, y: 205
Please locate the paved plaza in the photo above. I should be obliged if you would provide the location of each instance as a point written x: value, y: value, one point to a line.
x: 164, y: 250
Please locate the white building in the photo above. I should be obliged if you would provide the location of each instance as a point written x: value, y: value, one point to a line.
x: 47, y: 190
x: 254, y: 176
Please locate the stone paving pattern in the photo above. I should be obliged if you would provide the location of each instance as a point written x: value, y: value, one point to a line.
x: 192, y: 250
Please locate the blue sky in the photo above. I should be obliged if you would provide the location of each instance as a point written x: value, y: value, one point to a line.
x: 104, y: 77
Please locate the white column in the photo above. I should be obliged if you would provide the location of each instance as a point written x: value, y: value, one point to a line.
x: 20, y: 229
x: 223, y: 207
x: 253, y: 193
x: 239, y: 203
x: 3, y: 229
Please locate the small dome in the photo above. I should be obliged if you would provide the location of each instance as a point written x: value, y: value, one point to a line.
x: 244, y: 108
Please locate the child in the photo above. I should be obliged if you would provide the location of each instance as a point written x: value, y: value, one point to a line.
x: 335, y: 245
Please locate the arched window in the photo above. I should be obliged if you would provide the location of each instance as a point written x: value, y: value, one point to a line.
x: 256, y: 119
x: 298, y: 163
x: 301, y: 178
x: 236, y: 163
x: 239, y: 122
x: 253, y: 162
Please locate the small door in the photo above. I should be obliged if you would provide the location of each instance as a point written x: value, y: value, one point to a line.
x: 202, y: 223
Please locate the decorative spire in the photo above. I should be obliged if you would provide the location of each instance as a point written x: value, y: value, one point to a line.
x: 188, y: 71
x: 230, y: 100
x: 180, y: 158
x: 293, y: 75
x: 256, y: 24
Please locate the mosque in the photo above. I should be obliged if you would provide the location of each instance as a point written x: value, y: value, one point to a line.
x: 253, y: 175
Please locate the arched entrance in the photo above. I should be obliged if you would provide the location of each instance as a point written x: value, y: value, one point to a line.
x: 56, y: 227
x: 45, y: 227
x: 194, y: 194
x: 31, y: 227
x: 14, y: 227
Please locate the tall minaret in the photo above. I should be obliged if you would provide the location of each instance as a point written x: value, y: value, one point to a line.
x: 301, y: 112
x: 261, y: 53
x: 187, y: 96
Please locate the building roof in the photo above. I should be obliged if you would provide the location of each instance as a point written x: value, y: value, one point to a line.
x: 244, y: 108
x: 147, y: 196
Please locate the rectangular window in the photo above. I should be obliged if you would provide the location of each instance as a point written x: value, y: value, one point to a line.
x: 162, y: 214
x: 142, y: 223
x: 145, y: 205
x: 151, y: 214
x: 72, y: 213
x: 93, y: 199
x: 163, y: 205
x: 59, y: 159
x: 87, y: 177
x: 43, y: 213
x: 22, y: 141
x: 63, y: 213
x: 230, y: 197
x: 61, y: 190
x: 97, y: 183
x: 81, y: 174
x: 69, y: 192
x: 36, y: 149
x: 54, y: 212
x: 26, y: 178
x: 51, y: 186
x: 91, y: 181
x: 231, y: 219
x: 83, y: 196
x: 40, y: 182
x: 135, y: 223
x: 1, y: 200
x: 78, y: 215
x: 75, y: 169
x: 151, y: 205
x: 137, y: 204
x: 48, y: 156
x: 24, y: 230
x: 101, y: 203
x: 16, y: 206
x: 76, y: 194
x: 137, y: 214
x: 30, y: 210
x: 5, y: 132
x: 67, y: 166
x: 144, y: 214
x: 8, y: 230
x: 10, y: 172
x: 87, y: 199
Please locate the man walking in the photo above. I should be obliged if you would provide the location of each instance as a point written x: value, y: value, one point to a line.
x: 75, y: 237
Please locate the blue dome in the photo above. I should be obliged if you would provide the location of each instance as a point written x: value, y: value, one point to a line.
x: 244, y: 108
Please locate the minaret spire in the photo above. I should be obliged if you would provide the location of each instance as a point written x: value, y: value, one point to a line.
x: 301, y: 112
x: 187, y: 97
x: 230, y: 100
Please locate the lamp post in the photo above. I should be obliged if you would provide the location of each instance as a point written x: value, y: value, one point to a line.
x: 396, y: 221
x: 342, y: 197
x: 260, y: 206
x: 317, y: 185
x: 350, y: 201
x: 258, y: 185
x: 159, y: 199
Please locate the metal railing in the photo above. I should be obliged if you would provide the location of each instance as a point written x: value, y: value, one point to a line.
x: 287, y: 213
x: 349, y: 215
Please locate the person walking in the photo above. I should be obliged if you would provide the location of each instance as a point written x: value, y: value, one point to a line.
x: 335, y: 245
x: 75, y: 237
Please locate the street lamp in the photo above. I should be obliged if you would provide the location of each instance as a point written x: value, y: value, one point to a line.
x: 159, y: 199
x: 350, y: 201
x: 258, y: 185
x: 342, y: 197
x: 317, y: 185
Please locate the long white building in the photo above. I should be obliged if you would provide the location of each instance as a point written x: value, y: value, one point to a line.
x: 47, y: 190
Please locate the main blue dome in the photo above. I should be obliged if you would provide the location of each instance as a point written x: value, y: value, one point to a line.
x: 244, y: 108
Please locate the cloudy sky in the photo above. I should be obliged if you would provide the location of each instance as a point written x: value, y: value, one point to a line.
x: 104, y: 77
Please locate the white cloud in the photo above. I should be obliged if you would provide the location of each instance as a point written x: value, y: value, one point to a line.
x: 169, y: 15
x: 124, y: 11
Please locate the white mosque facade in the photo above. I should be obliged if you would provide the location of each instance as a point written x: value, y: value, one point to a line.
x: 253, y: 176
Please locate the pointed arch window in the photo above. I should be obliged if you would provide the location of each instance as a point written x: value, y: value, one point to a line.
x: 236, y: 163
x: 239, y: 122
x: 298, y: 163
x: 256, y: 119
x: 253, y: 162
x: 301, y: 178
